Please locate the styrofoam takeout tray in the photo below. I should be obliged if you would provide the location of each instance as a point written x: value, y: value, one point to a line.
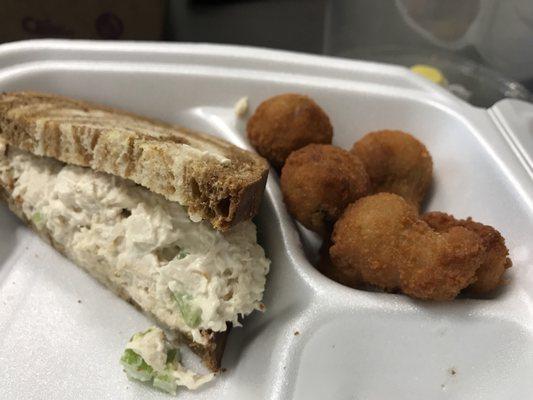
x: 62, y: 334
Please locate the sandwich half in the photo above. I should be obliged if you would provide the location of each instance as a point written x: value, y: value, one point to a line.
x: 213, y: 179
x: 192, y: 278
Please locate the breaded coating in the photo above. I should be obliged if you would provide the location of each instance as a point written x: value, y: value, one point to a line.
x: 396, y: 162
x: 319, y: 181
x: 348, y: 277
x: 287, y: 122
x: 382, y: 238
x: 495, y: 259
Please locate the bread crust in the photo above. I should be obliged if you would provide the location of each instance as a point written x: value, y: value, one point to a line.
x: 214, y: 179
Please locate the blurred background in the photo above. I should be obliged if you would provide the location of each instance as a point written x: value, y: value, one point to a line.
x: 481, y: 50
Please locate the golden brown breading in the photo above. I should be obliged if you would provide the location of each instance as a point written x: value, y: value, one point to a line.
x: 348, y: 277
x: 382, y: 238
x: 287, y: 122
x: 319, y: 181
x: 495, y: 260
x: 396, y: 162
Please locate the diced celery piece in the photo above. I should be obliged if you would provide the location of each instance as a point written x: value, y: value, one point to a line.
x: 182, y: 254
x: 135, y: 367
x: 165, y: 381
x: 191, y: 314
x: 38, y: 219
x: 139, y: 335
x: 172, y: 355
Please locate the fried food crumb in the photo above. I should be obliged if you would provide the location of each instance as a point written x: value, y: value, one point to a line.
x: 241, y: 107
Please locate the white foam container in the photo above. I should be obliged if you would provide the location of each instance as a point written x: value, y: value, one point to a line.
x: 351, y: 344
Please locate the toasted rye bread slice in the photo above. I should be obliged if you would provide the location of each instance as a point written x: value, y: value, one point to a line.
x: 214, y: 179
x: 210, y: 353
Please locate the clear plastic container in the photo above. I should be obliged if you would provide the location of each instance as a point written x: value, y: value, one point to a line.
x: 483, y: 46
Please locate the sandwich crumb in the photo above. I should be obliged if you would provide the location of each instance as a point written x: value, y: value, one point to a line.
x: 241, y: 107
